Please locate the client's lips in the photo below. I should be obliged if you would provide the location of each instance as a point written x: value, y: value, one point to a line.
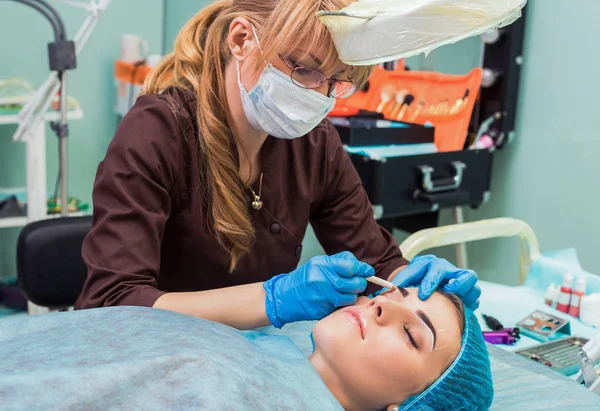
x: 357, y: 317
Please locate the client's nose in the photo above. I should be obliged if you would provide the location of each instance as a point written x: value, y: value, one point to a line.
x: 384, y: 310
x: 363, y: 301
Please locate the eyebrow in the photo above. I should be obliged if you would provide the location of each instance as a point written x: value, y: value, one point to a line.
x: 421, y: 314
x: 428, y: 323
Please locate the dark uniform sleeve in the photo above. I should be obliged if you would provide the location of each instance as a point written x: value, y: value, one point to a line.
x: 344, y: 221
x: 132, y: 203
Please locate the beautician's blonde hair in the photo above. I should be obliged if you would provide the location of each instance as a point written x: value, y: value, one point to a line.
x: 198, y: 64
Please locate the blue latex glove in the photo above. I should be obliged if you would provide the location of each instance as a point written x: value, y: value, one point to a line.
x: 430, y: 273
x: 316, y: 289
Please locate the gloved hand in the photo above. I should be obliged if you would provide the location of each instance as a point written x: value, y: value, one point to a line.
x: 430, y: 273
x: 316, y: 289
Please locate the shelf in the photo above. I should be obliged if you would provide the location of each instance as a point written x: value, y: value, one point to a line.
x: 23, y: 221
x: 13, y: 222
x: 50, y: 116
x: 71, y: 214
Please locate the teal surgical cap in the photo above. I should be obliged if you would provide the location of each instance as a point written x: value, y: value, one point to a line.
x: 467, y: 383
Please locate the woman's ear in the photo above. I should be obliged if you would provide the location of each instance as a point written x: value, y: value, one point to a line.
x: 393, y: 407
x: 241, y: 39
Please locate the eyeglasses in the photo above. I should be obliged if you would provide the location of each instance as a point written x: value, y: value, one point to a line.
x: 306, y: 77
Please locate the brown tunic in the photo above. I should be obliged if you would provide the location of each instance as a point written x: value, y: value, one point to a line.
x: 149, y: 234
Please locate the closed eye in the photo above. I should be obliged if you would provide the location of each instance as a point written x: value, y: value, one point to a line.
x: 410, y: 337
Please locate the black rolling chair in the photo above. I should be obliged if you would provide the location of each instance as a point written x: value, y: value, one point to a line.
x: 50, y: 268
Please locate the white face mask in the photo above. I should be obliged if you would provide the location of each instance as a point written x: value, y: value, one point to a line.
x: 280, y: 108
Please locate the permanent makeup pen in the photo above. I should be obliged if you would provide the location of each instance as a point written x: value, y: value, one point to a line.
x: 382, y: 283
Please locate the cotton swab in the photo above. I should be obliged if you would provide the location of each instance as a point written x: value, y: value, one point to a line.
x: 382, y: 283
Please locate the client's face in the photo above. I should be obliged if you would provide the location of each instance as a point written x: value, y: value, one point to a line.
x: 383, y: 350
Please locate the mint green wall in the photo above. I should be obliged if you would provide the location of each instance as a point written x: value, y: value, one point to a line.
x: 459, y: 58
x: 177, y: 13
x: 549, y: 175
x: 23, y: 38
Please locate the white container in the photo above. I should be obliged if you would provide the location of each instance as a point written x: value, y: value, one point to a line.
x: 133, y: 48
x: 153, y: 60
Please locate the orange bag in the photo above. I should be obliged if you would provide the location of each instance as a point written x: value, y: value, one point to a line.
x: 446, y: 101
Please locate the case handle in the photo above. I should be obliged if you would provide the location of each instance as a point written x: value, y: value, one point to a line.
x: 444, y: 184
x: 450, y: 198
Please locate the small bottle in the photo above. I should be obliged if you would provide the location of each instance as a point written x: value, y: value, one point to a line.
x: 564, y: 297
x: 555, y: 295
x: 550, y: 294
x: 578, y: 292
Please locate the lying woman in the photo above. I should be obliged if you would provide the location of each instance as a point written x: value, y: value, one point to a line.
x: 389, y: 352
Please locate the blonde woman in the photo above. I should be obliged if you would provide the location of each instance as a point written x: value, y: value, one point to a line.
x: 207, y: 189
